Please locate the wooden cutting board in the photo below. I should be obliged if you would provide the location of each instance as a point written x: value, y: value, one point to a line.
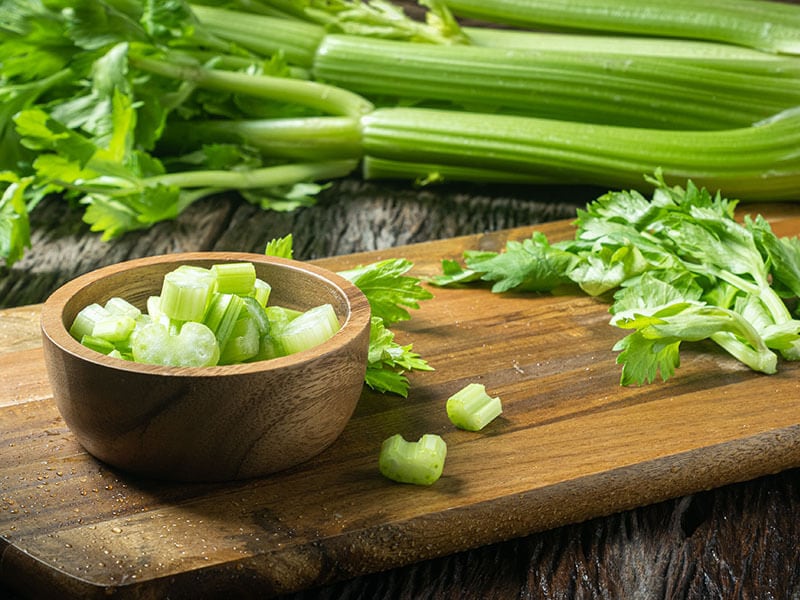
x: 571, y: 445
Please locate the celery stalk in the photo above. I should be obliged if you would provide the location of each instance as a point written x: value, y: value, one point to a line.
x: 640, y: 91
x: 235, y: 278
x: 759, y: 162
x: 769, y: 26
x: 185, y: 293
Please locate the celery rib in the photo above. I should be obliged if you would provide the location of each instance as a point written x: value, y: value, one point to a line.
x: 765, y: 25
x: 608, y: 88
x: 759, y: 162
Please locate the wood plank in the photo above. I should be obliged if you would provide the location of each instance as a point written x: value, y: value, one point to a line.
x: 571, y: 445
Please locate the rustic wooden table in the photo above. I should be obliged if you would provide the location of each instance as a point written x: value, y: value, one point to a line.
x: 737, y: 541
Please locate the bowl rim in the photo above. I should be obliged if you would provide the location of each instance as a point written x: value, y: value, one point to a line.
x: 357, y: 318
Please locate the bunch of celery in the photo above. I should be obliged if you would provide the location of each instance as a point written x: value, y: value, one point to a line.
x: 136, y: 110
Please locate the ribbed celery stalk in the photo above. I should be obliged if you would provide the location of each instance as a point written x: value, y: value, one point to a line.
x: 761, y: 24
x: 641, y: 91
x: 625, y: 45
x: 267, y: 35
x: 761, y: 162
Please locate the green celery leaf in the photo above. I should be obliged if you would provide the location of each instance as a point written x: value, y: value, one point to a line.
x: 783, y: 255
x: 453, y: 273
x: 14, y: 223
x: 388, y: 288
x: 643, y: 359
x: 533, y: 265
x: 387, y: 361
x: 280, y: 247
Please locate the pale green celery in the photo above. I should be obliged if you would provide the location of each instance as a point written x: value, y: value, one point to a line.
x: 234, y: 277
x: 84, y: 322
x: 255, y: 311
x: 471, y: 408
x: 762, y: 360
x: 193, y: 346
x: 679, y: 49
x: 221, y: 316
x: 295, y: 39
x: 641, y: 91
x: 115, y: 328
x: 243, y: 343
x: 97, y: 344
x: 327, y: 99
x: 261, y: 292
x: 306, y: 138
x: 750, y: 163
x: 185, y: 293
x: 419, y: 463
x: 426, y: 173
x: 265, y: 177
x: 311, y: 328
x: 768, y: 26
x: 120, y: 306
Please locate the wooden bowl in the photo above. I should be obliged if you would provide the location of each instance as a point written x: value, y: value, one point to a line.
x: 207, y: 423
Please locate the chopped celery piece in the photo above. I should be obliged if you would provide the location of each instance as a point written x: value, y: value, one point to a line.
x: 471, y: 408
x: 85, y: 320
x: 186, y: 292
x: 114, y: 328
x: 194, y: 346
x: 261, y: 291
x: 221, y: 316
x: 309, y: 329
x: 256, y: 312
x: 244, y: 342
x: 235, y: 278
x: 419, y: 462
x: 154, y: 308
x: 120, y: 306
x: 97, y: 344
x: 280, y: 316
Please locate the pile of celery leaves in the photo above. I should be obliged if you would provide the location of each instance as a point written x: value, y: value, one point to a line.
x: 134, y: 110
x: 677, y: 268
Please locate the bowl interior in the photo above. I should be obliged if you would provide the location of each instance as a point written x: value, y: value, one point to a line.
x: 294, y: 285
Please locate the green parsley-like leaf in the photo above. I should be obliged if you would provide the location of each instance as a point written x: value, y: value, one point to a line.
x: 388, y: 289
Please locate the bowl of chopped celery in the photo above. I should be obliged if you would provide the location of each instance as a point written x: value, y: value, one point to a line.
x: 207, y: 366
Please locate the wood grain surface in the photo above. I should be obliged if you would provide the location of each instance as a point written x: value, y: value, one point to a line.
x: 571, y: 447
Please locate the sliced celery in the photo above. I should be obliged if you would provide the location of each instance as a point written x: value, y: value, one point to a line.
x: 114, y: 328
x: 85, y: 320
x: 243, y: 344
x: 309, y: 329
x: 471, y: 408
x: 120, y: 306
x: 97, y: 344
x: 222, y: 314
x: 186, y: 292
x: 261, y: 291
x: 194, y: 346
x: 256, y: 312
x: 235, y: 278
x: 419, y: 462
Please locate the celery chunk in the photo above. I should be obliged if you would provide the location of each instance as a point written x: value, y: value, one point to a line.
x: 120, y: 306
x: 85, y: 320
x: 222, y: 314
x: 261, y: 291
x: 471, y: 408
x: 195, y: 345
x: 114, y: 328
x: 309, y: 329
x: 243, y: 343
x: 235, y: 277
x: 420, y: 462
x: 186, y: 292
